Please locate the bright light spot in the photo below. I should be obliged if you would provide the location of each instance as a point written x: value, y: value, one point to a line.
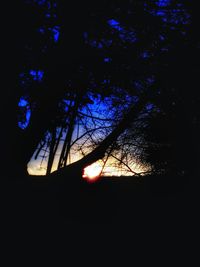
x: 56, y: 32
x: 92, y: 172
x: 163, y: 3
x: 37, y: 75
x: 114, y: 23
x: 22, y: 102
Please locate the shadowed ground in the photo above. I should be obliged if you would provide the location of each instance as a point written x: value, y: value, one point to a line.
x: 139, y: 202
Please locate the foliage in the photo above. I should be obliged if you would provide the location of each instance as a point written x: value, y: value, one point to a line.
x: 83, y: 69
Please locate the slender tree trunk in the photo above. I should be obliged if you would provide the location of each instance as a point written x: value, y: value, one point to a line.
x: 51, y: 152
x: 67, y: 142
x: 57, y: 142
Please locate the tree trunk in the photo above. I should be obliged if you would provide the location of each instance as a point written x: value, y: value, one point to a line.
x: 51, y: 152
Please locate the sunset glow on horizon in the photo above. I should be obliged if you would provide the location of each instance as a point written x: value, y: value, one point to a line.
x: 92, y: 172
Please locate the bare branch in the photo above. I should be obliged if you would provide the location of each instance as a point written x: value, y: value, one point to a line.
x: 95, y: 118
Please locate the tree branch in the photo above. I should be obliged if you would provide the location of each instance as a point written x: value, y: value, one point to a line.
x: 99, y: 152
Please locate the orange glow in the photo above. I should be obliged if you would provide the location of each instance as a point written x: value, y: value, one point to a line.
x: 92, y: 172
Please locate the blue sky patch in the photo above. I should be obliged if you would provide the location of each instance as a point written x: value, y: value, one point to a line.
x: 37, y: 75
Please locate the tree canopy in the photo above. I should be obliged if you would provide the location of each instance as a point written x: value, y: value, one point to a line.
x: 114, y: 79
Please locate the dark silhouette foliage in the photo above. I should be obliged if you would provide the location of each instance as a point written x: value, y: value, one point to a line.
x: 143, y: 48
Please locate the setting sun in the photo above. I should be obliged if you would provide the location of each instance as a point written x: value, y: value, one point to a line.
x: 92, y: 172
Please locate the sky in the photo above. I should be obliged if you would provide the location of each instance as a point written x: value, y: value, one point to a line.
x: 111, y: 168
x: 99, y: 110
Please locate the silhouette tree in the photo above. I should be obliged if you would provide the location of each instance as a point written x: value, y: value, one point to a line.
x: 171, y: 135
x: 118, y: 51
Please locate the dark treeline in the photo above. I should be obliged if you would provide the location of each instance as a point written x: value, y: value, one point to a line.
x: 75, y: 63
x: 141, y: 55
